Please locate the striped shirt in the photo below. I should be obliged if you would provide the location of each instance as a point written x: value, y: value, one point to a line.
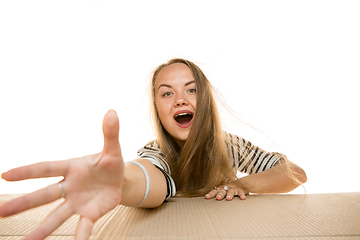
x: 246, y: 157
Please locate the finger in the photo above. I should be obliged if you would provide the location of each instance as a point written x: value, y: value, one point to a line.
x: 37, y: 170
x: 230, y: 195
x: 242, y: 195
x: 31, y: 200
x: 211, y: 194
x: 84, y: 228
x: 111, y: 133
x: 221, y: 194
x: 52, y: 222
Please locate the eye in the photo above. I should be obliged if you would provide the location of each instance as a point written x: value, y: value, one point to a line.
x: 167, y: 94
x: 192, y: 90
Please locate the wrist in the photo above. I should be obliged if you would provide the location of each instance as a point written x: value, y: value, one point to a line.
x: 242, y: 183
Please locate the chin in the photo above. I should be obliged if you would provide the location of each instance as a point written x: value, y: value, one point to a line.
x: 180, y: 140
x: 183, y: 137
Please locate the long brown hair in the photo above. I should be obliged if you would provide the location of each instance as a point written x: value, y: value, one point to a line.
x: 202, y: 163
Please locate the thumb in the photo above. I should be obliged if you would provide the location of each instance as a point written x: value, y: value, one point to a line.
x: 111, y: 133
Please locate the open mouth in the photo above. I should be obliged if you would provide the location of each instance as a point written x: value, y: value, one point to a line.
x: 183, y: 118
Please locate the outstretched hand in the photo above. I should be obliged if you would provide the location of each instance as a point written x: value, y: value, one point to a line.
x: 92, y: 185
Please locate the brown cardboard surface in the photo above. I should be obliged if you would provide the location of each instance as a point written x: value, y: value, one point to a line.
x: 317, y: 216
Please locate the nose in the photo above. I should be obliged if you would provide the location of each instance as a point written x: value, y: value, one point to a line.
x: 181, y: 101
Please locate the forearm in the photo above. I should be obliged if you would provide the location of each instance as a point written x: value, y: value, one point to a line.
x: 134, y: 186
x: 273, y: 180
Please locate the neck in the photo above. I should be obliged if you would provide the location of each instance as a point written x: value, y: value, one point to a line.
x: 180, y: 143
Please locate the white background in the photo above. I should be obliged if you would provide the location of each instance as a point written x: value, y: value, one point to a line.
x: 289, y: 68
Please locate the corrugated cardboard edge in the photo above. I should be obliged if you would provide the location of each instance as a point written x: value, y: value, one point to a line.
x: 318, y: 216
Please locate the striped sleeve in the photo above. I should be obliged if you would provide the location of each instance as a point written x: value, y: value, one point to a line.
x: 248, y: 158
x: 152, y: 152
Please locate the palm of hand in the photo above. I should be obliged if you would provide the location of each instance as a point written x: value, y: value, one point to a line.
x: 93, y: 186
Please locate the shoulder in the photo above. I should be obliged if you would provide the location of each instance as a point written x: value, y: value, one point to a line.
x: 233, y: 140
x: 151, y: 146
x: 153, y: 153
x: 151, y: 149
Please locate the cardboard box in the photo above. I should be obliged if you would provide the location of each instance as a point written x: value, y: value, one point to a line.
x: 314, y: 216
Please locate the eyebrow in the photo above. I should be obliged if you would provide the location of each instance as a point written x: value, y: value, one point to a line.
x: 166, y: 85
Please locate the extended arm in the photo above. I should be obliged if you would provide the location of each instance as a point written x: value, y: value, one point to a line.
x: 92, y: 185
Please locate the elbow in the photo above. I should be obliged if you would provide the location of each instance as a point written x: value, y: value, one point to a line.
x: 296, y: 174
x: 301, y: 176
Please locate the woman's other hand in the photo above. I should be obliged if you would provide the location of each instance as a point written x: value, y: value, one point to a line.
x: 228, y: 191
x: 92, y: 185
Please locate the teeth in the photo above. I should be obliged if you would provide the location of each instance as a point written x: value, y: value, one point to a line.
x: 182, y: 114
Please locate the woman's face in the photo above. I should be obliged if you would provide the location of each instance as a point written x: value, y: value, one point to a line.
x: 175, y: 100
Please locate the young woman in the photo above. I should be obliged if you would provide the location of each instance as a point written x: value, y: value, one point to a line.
x: 192, y: 156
